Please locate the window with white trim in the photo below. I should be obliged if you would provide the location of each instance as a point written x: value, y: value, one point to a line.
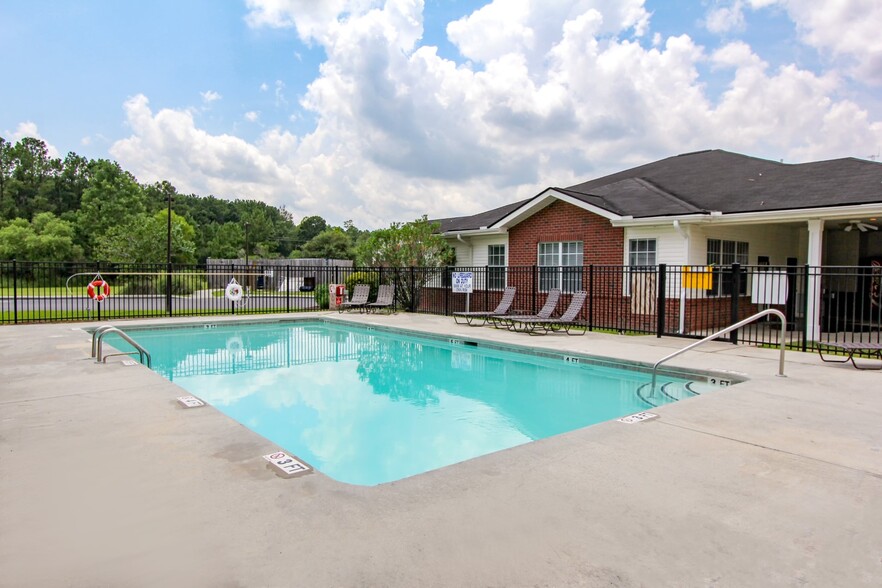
x: 721, y: 255
x: 560, y: 265
x: 642, y: 252
x: 496, y: 267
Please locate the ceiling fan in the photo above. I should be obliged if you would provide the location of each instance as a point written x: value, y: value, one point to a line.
x: 861, y: 226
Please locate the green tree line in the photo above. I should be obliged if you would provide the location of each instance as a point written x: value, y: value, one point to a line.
x: 75, y: 209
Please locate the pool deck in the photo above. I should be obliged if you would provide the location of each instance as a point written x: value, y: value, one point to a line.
x: 106, y: 481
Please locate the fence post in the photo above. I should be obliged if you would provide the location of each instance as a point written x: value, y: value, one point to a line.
x: 444, y: 281
x: 232, y: 276
x: 288, y: 286
x: 535, y: 288
x: 591, y: 297
x: 15, y: 291
x: 736, y: 294
x: 660, y: 309
x: 97, y: 305
x: 805, y: 304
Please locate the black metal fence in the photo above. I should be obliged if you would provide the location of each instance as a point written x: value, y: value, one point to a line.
x: 820, y: 303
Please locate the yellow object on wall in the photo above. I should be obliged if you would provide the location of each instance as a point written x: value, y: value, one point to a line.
x: 698, y: 279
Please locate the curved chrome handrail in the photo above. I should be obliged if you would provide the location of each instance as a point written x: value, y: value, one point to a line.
x: 729, y: 329
x: 142, y: 353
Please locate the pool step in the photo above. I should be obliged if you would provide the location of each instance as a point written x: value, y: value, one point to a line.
x: 666, y: 392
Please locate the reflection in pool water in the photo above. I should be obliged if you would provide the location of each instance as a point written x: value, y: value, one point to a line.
x: 370, y: 406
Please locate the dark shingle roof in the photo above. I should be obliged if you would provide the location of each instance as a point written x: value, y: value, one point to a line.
x: 731, y: 183
x: 476, y: 221
x: 713, y: 180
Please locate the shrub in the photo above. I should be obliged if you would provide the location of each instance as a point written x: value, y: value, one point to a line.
x: 369, y: 278
x: 321, y: 296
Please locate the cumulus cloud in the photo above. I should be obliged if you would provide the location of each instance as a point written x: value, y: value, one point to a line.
x: 548, y: 93
x: 210, y: 96
x: 29, y: 129
x: 725, y: 18
x: 845, y: 30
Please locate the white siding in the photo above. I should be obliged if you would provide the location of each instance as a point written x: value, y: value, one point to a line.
x: 480, y: 245
x: 670, y: 246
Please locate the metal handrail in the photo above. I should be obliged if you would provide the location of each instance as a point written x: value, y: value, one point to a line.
x: 99, y: 336
x: 729, y: 329
x: 95, y: 334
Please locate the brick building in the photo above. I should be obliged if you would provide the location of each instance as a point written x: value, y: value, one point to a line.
x: 708, y: 208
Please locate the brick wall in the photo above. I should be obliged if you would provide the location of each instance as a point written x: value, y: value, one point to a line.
x: 560, y: 221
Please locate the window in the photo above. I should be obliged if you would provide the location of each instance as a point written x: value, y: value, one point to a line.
x: 641, y: 252
x: 721, y: 255
x: 560, y: 266
x: 496, y: 269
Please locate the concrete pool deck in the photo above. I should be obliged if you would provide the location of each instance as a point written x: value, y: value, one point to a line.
x: 106, y: 481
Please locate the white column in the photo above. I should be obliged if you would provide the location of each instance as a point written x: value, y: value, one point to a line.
x: 815, y: 249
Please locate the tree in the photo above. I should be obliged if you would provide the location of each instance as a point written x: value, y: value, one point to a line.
x: 112, y: 199
x: 30, y: 167
x: 6, y: 167
x: 14, y: 239
x: 227, y: 241
x: 329, y: 244
x: 416, y: 244
x: 47, y: 238
x: 53, y: 240
x: 310, y: 227
x: 413, y: 244
x: 144, y: 240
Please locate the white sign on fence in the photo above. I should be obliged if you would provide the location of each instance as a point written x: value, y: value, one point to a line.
x: 462, y: 282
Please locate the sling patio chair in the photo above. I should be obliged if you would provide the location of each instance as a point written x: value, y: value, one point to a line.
x: 544, y: 313
x: 508, y: 296
x: 872, y: 349
x: 359, y: 298
x: 564, y: 322
x: 385, y: 299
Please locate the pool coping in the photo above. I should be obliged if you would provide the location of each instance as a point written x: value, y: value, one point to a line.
x: 775, y: 481
x: 732, y: 377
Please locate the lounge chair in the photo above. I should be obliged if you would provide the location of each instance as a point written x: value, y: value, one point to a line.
x: 875, y: 350
x: 508, y: 296
x: 359, y: 298
x: 544, y: 313
x: 385, y: 299
x: 564, y: 323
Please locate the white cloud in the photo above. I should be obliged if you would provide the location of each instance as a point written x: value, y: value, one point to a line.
x: 29, y: 129
x: 556, y: 92
x: 168, y: 145
x: 252, y: 116
x: 848, y: 30
x: 210, y: 96
x: 725, y: 18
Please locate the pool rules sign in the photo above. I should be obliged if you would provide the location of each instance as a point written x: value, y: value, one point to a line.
x: 463, y: 284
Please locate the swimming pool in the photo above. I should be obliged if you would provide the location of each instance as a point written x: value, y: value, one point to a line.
x: 367, y: 406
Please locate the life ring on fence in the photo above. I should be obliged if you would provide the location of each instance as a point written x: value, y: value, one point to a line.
x: 234, y: 292
x: 98, y: 290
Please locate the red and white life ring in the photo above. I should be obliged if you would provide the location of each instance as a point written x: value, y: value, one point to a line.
x: 98, y: 290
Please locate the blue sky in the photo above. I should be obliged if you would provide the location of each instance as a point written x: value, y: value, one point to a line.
x: 376, y: 110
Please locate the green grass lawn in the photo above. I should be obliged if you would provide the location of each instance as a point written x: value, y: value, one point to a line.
x: 53, y: 291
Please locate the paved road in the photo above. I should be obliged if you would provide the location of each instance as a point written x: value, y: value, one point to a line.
x: 199, y: 303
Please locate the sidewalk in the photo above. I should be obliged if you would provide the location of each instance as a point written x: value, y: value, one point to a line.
x: 104, y: 480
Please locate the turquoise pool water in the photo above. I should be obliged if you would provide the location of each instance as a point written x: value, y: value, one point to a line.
x: 372, y: 406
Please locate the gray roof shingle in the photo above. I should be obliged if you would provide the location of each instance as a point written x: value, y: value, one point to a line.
x: 714, y: 180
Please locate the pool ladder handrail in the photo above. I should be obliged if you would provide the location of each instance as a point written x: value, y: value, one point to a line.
x: 98, y: 343
x: 727, y: 330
